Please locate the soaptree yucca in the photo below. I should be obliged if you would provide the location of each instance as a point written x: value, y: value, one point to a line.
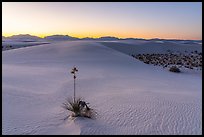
x: 77, y: 106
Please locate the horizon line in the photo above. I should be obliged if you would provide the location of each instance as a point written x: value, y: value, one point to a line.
x: 98, y: 37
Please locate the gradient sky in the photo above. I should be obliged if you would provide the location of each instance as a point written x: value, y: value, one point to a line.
x: 179, y: 20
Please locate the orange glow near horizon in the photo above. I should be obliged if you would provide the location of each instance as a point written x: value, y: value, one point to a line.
x: 144, y: 36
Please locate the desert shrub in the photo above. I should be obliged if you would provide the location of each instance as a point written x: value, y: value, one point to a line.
x: 174, y: 69
x: 147, y: 62
x: 79, y: 108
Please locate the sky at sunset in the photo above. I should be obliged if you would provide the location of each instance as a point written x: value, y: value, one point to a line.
x: 169, y: 20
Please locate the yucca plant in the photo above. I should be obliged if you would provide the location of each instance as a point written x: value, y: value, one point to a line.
x: 79, y: 108
x: 72, y: 106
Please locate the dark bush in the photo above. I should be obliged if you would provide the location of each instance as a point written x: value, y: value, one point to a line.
x: 174, y: 69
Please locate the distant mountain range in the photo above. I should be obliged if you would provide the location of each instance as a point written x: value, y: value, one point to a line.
x: 60, y: 38
x: 30, y: 38
x: 22, y: 37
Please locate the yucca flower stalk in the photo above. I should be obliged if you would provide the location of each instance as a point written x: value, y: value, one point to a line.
x: 73, y: 71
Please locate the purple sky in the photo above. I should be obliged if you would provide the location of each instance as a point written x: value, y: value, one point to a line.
x: 180, y: 20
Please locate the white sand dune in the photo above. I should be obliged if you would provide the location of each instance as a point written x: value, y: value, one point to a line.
x: 141, y: 46
x: 129, y: 96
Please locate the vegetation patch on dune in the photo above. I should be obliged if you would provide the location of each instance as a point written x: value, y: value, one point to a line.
x: 173, y: 61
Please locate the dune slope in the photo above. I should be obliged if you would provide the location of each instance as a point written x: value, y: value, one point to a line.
x: 129, y: 96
